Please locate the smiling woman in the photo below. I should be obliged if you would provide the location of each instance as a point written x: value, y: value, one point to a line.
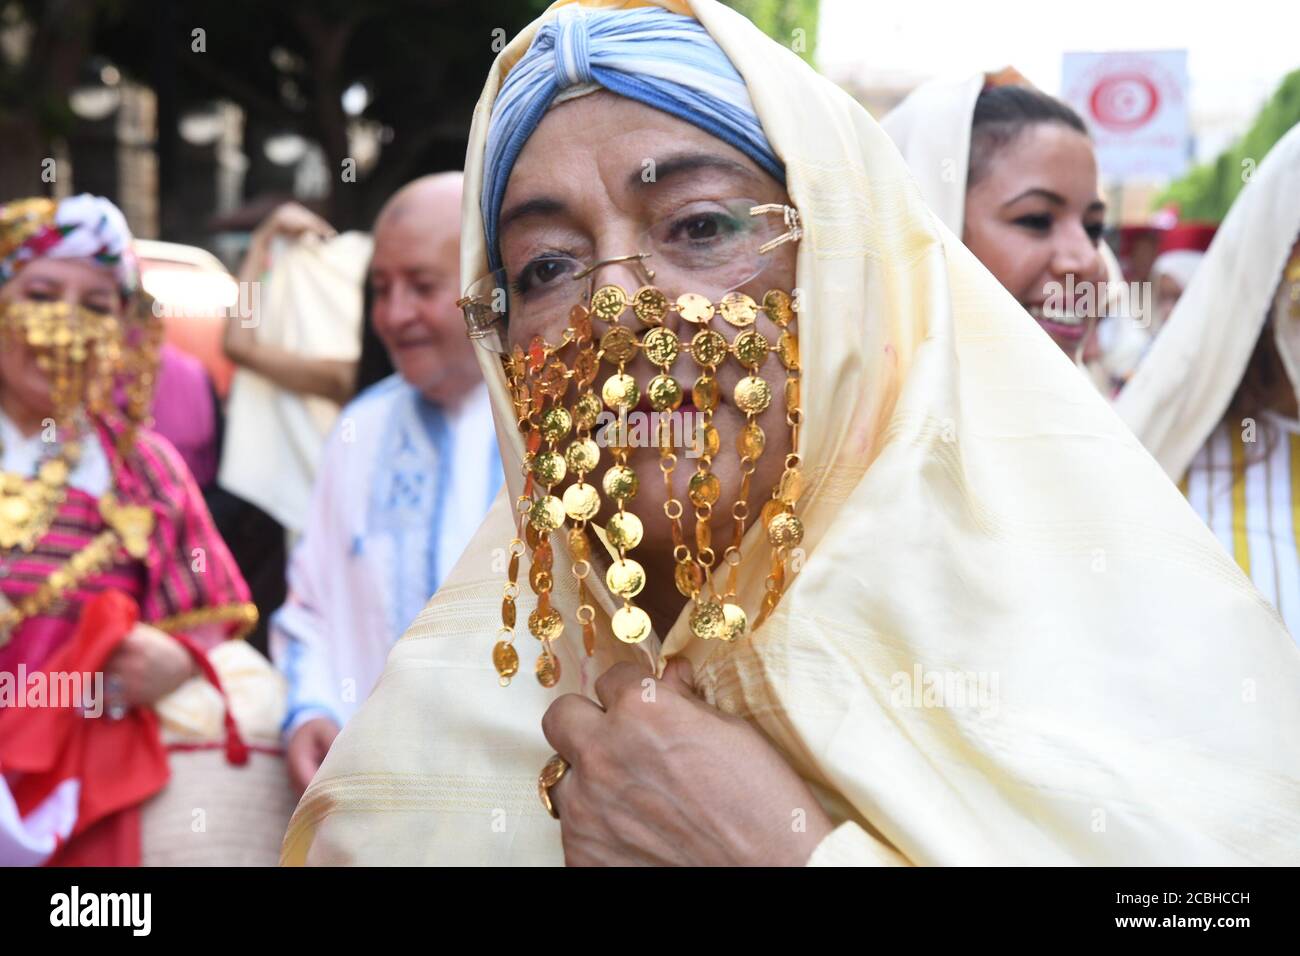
x: 942, y: 485
x: 1012, y: 171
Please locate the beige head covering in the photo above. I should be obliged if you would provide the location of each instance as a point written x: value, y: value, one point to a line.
x: 932, y: 129
x: 974, y: 511
x: 1184, y: 385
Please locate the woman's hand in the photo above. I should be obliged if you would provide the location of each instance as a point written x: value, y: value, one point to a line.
x: 147, y: 666
x: 660, y: 777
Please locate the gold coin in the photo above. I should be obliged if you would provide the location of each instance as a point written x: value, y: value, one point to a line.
x: 665, y: 394
x: 16, y: 510
x: 630, y: 624
x: 545, y: 625
x: 585, y: 366
x: 624, y: 530
x: 734, y: 621
x: 579, y: 544
x: 583, y: 455
x: 738, y: 309
x: 581, y: 502
x: 706, y: 441
x: 539, y: 579
x: 751, y: 441
x: 586, y: 410
x: 708, y: 621
x: 708, y: 348
x: 506, y: 660
x: 620, y: 483
x: 704, y: 393
x: 703, y: 489
x: 508, y: 611
x: 694, y: 307
x: 625, y: 578
x: 548, y: 670
x: 792, y: 395
x: 751, y: 348
x: 617, y: 434
x: 580, y: 322
x: 661, y: 346
x: 689, y: 578
x: 650, y: 305
x: 553, y: 380
x: 546, y: 514
x: 618, y: 345
x: 791, y: 486
x: 620, y: 392
x: 787, y: 350
x: 608, y: 303
x: 752, y: 395
x: 785, y: 530
x: 771, y: 508
x: 555, y: 424
x: 54, y: 472
x: 548, y: 467
x: 778, y: 307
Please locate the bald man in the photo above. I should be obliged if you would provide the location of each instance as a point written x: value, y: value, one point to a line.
x: 404, y: 481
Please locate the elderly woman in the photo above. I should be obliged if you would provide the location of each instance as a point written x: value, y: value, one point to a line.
x: 1215, y: 398
x: 91, y: 502
x: 906, y: 592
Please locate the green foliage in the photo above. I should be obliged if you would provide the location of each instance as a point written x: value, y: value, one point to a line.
x: 780, y: 19
x: 1207, y: 191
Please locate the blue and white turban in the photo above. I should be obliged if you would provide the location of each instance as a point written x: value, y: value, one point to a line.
x: 647, y: 54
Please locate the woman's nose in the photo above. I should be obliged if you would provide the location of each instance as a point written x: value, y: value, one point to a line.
x: 1076, y: 254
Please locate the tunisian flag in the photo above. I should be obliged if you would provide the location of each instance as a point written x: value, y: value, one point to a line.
x: 70, y: 785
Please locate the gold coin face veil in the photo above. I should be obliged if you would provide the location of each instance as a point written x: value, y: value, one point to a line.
x: 568, y: 342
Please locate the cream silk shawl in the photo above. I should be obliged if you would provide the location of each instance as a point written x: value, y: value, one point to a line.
x: 1184, y: 385
x: 974, y: 507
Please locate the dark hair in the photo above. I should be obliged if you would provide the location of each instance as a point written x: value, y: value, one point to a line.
x: 1002, y: 113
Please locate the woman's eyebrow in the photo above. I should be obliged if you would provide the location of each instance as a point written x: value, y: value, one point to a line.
x: 538, y: 206
x: 680, y: 163
x: 1056, y: 199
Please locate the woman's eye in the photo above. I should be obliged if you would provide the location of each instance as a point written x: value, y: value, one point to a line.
x: 1035, y: 223
x: 41, y: 295
x: 702, y: 227
x: 541, y: 272
x: 1094, y: 231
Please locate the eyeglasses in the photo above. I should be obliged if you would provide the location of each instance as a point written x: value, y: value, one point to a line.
x: 704, y: 250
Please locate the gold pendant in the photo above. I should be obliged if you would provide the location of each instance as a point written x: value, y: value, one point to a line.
x: 132, y: 523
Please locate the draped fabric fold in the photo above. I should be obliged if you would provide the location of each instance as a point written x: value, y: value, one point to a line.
x: 1186, y: 381
x: 976, y: 519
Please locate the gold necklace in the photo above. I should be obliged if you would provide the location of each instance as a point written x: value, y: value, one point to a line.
x: 28, y: 505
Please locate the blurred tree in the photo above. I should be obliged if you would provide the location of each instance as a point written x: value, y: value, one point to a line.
x: 1207, y: 191
x: 792, y: 23
x: 43, y: 45
x: 288, y: 64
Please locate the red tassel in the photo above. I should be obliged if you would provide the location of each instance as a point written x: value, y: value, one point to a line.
x: 236, y: 749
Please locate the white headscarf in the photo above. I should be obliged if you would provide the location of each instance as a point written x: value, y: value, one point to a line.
x: 1184, y: 385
